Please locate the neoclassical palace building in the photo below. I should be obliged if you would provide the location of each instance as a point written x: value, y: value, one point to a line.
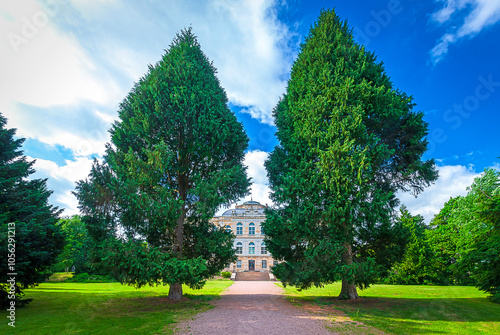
x: 245, y: 222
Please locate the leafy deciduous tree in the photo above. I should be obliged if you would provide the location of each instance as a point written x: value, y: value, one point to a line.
x: 415, y: 267
x: 465, y: 236
x: 484, y: 258
x: 75, y: 253
x: 458, y: 227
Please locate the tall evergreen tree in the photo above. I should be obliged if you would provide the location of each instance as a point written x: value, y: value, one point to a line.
x: 24, y: 206
x: 348, y: 140
x: 176, y: 156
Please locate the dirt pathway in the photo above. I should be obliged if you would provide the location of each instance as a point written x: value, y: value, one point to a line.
x: 255, y: 307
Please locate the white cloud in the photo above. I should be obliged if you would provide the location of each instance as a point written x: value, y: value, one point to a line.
x: 90, y: 54
x: 79, y: 128
x: 42, y: 66
x: 67, y: 65
x: 253, y: 68
x: 46, y: 79
x: 453, y: 181
x: 254, y: 161
x: 483, y: 13
x: 72, y: 171
x: 247, y: 43
x: 62, y: 180
x: 69, y: 202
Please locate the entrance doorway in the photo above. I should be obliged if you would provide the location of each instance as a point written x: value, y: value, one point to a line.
x: 251, y: 265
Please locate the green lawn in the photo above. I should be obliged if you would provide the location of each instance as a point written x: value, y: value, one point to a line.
x: 60, y: 276
x: 107, y: 308
x: 399, y: 309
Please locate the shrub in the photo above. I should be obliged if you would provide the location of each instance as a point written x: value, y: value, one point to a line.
x: 226, y: 274
x: 86, y: 278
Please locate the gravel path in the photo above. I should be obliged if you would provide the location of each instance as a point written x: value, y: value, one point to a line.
x: 254, y: 307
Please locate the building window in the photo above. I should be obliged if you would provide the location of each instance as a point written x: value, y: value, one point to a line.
x: 239, y: 228
x: 264, y: 264
x: 228, y: 228
x: 239, y: 248
x: 262, y: 230
x: 275, y: 263
x: 263, y: 249
x: 251, y: 248
x: 238, y: 264
x: 251, y: 229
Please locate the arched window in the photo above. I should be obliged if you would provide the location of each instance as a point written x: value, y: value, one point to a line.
x: 239, y: 248
x: 251, y: 229
x: 263, y: 249
x: 239, y: 228
x: 251, y: 248
x: 228, y: 228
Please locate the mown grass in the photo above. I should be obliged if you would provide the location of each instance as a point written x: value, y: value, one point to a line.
x: 401, y: 309
x: 60, y: 276
x: 107, y: 308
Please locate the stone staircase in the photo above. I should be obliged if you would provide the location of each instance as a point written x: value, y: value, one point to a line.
x: 252, y: 276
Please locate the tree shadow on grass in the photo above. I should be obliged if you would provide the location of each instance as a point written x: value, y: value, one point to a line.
x: 436, y: 309
x: 159, y: 303
x: 408, y: 316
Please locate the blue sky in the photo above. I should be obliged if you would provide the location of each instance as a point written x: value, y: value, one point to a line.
x: 66, y: 66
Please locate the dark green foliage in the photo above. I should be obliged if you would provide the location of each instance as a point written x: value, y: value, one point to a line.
x: 348, y: 140
x: 176, y: 156
x: 24, y: 204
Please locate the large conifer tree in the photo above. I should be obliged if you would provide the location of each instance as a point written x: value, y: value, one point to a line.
x: 348, y: 140
x: 24, y: 206
x: 176, y: 156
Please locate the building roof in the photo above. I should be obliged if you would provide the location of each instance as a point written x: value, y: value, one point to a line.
x: 251, y: 202
x: 248, y: 208
x: 242, y: 212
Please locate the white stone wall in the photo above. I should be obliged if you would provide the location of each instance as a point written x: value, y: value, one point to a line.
x: 253, y: 213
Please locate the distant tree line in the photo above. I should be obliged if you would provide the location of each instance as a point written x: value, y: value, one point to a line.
x: 461, y: 246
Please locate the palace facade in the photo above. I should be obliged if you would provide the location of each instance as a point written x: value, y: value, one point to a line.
x: 245, y: 223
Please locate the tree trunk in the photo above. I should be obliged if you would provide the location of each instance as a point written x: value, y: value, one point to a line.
x: 175, y: 291
x: 348, y: 290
